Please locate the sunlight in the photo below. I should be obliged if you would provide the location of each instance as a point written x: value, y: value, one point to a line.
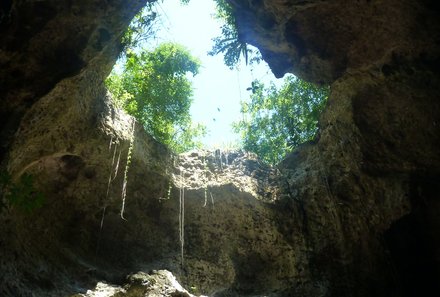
x: 217, y: 89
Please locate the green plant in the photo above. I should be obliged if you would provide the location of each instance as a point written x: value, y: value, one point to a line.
x: 140, y: 29
x: 194, y: 290
x: 156, y: 90
x: 21, y: 194
x: 230, y: 43
x: 275, y: 121
x: 127, y: 167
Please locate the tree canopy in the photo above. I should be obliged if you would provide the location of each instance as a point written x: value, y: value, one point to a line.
x: 275, y: 121
x: 154, y: 88
x: 230, y: 43
x: 141, y: 28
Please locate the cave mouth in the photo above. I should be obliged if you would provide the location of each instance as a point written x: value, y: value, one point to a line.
x: 217, y: 89
x: 412, y: 242
x: 231, y: 103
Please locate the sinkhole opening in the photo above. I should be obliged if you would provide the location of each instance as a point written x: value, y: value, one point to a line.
x: 188, y: 76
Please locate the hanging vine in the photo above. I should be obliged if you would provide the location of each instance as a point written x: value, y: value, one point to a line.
x: 127, y: 166
x: 112, y: 176
x: 181, y: 215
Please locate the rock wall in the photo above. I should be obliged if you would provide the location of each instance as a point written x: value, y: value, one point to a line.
x: 355, y: 213
x: 43, y: 42
x: 368, y: 187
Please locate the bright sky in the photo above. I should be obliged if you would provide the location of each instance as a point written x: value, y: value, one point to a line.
x: 216, y: 87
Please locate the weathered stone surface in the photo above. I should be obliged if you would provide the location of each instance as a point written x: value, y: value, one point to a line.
x: 376, y: 159
x: 79, y: 164
x: 156, y: 284
x: 355, y: 213
x: 321, y: 40
x: 42, y: 42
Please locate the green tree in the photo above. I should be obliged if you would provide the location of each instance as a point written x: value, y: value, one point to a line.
x: 141, y: 28
x: 275, y: 121
x: 154, y: 88
x: 230, y: 43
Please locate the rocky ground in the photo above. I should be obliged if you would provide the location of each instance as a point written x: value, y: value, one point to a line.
x: 156, y: 284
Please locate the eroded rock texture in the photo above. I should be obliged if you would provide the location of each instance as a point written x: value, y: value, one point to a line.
x: 43, y: 42
x: 356, y: 213
x: 156, y: 284
x: 369, y: 186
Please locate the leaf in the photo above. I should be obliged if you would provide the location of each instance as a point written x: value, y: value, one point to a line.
x: 156, y: 90
x: 278, y: 120
x: 21, y: 194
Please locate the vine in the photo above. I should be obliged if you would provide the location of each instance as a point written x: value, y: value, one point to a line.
x: 127, y: 166
x: 205, y: 163
x: 181, y: 215
x: 112, y: 176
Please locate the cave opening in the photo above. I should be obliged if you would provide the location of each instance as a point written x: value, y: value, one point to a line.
x: 234, y: 101
x: 320, y: 240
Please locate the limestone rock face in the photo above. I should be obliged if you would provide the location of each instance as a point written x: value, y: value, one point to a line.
x: 79, y: 150
x: 368, y: 188
x: 355, y: 213
x: 43, y: 42
x: 321, y: 40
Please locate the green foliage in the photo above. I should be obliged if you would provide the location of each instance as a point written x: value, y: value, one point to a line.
x: 156, y: 90
x: 230, y: 44
x: 21, y: 194
x: 275, y: 121
x: 140, y: 28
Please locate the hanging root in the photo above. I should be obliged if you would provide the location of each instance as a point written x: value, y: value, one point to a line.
x: 168, y: 197
x: 205, y: 162
x: 181, y: 217
x: 127, y: 166
x: 124, y: 193
x: 100, y: 230
x: 110, y: 179
x: 110, y: 144
x: 117, y: 166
